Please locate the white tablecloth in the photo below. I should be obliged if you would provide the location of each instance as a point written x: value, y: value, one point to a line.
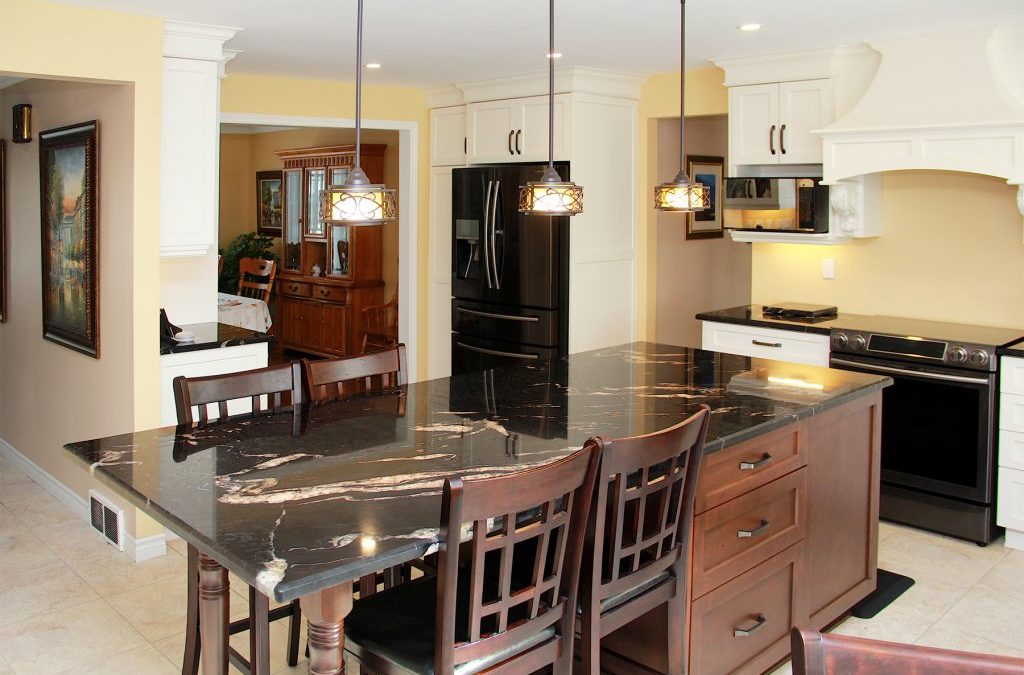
x: 243, y: 312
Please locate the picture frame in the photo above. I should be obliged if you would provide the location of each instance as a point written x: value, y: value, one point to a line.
x: 3, y: 231
x: 752, y: 193
x: 69, y: 206
x: 707, y: 170
x: 269, y: 202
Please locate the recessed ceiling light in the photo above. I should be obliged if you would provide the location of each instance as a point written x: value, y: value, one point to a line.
x: 373, y: 66
x: 749, y: 27
x: 556, y: 55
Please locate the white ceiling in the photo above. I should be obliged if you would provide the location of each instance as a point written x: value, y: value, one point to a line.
x: 452, y: 41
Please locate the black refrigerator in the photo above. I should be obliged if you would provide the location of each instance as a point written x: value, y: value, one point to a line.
x: 510, y: 272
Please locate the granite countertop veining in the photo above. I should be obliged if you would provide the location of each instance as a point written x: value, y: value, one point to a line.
x: 214, y: 335
x: 303, y: 500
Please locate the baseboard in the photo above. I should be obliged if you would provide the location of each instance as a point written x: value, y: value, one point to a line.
x: 138, y: 550
x: 1015, y: 539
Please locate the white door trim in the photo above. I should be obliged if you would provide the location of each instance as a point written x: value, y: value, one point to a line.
x: 408, y: 201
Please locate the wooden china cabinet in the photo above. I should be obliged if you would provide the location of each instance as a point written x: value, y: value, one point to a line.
x: 328, y: 273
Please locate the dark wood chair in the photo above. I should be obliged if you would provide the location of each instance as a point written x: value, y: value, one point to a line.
x: 473, y: 616
x: 282, y: 385
x: 638, y: 537
x: 333, y: 379
x: 817, y: 653
x: 256, y: 278
x: 380, y: 325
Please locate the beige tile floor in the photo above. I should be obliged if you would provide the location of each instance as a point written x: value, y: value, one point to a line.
x: 71, y: 603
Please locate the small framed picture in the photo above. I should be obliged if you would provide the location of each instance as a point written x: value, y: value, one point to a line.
x: 708, y: 171
x: 268, y: 203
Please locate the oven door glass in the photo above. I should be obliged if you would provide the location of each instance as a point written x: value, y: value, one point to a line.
x: 936, y: 429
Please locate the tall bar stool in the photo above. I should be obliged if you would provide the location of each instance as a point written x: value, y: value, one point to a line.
x: 638, y: 538
x: 280, y: 385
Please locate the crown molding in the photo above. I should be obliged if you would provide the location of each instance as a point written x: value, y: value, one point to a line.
x: 196, y: 41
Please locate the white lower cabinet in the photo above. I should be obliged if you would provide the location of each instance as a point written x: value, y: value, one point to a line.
x: 765, y: 343
x: 1010, y: 478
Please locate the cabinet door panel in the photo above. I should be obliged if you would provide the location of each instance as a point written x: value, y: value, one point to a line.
x: 335, y: 328
x: 448, y: 136
x: 803, y: 106
x: 753, y: 111
x: 491, y: 130
x: 316, y: 180
x: 532, y: 144
x: 292, y: 220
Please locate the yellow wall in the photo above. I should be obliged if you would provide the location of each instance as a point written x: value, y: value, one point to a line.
x: 64, y: 396
x: 659, y: 98
x: 242, y: 155
x: 321, y: 98
x: 950, y: 250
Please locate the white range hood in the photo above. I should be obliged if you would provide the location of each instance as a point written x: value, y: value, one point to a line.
x: 951, y: 102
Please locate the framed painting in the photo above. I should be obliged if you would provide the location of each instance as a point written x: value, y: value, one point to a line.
x: 752, y: 193
x: 708, y: 171
x: 3, y: 231
x: 69, y: 199
x: 268, y: 203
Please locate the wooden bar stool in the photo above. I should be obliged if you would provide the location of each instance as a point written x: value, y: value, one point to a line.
x: 475, y: 617
x: 282, y: 386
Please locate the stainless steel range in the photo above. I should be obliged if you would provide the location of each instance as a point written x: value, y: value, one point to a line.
x: 938, y: 419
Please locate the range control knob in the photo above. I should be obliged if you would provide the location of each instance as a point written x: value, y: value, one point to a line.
x: 839, y: 340
x: 978, y: 357
x: 957, y: 355
x: 858, y: 343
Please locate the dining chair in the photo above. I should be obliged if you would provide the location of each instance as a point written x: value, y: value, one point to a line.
x: 277, y: 384
x: 380, y: 324
x: 817, y: 653
x: 638, y: 536
x: 333, y: 379
x: 256, y: 278
x: 472, y: 617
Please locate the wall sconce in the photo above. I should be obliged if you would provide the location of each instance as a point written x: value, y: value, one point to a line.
x: 22, y: 123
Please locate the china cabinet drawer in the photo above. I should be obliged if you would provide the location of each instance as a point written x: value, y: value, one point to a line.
x: 739, y: 535
x: 743, y: 626
x: 1011, y: 379
x: 295, y: 289
x: 1011, y: 449
x: 766, y: 343
x: 331, y: 293
x: 1010, y: 499
x: 729, y: 473
x: 1011, y: 412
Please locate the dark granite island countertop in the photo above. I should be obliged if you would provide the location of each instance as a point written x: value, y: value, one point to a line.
x: 214, y: 336
x: 297, y: 502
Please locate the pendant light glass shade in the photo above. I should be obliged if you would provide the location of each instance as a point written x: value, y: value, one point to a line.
x: 682, y: 195
x: 358, y: 201
x: 551, y: 196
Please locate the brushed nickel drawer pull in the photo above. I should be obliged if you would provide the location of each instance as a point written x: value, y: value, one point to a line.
x: 492, y: 315
x: 744, y: 632
x: 760, y: 529
x: 747, y: 465
x: 495, y: 352
x: 766, y: 344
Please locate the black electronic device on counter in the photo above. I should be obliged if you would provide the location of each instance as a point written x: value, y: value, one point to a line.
x: 167, y: 330
x: 800, y: 310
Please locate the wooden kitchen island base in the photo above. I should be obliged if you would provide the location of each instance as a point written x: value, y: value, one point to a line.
x: 785, y: 534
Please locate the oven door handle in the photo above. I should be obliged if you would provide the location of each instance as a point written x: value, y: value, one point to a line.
x: 911, y: 373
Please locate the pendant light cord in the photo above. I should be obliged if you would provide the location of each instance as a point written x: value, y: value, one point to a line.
x: 682, y: 85
x: 359, y: 80
x: 551, y: 85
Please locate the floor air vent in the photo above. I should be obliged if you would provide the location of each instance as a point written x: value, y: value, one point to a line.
x: 106, y: 518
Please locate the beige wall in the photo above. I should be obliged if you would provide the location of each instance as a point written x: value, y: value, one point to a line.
x: 698, y: 274
x: 242, y: 155
x: 659, y: 99
x: 950, y: 250
x: 321, y: 98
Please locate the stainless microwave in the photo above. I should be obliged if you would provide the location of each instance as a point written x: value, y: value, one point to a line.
x: 776, y: 204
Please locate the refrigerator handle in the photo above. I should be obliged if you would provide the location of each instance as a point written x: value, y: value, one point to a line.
x: 486, y: 234
x: 494, y: 214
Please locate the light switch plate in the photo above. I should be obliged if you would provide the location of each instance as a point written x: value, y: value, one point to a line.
x: 828, y: 268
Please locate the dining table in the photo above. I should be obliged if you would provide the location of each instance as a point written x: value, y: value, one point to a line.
x: 238, y: 310
x: 300, y: 503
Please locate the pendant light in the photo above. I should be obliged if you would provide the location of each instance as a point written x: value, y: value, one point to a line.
x: 357, y: 201
x: 682, y: 194
x: 551, y: 196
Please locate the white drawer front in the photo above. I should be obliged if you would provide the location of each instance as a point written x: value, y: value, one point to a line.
x: 1011, y: 379
x: 1011, y: 412
x: 1010, y: 503
x: 1011, y: 449
x: 766, y: 343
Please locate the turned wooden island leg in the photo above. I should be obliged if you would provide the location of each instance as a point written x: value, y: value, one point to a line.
x: 325, y: 613
x: 213, y: 615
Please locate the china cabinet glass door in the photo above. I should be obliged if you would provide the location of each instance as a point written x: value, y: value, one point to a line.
x: 293, y: 219
x: 339, y: 175
x: 315, y: 183
x: 340, y: 251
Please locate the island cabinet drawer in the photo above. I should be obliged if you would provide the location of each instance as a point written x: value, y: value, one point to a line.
x: 1011, y: 449
x: 766, y: 343
x: 1011, y: 377
x: 731, y: 472
x: 295, y: 289
x: 738, y: 535
x: 330, y: 293
x: 743, y: 626
x: 1011, y: 412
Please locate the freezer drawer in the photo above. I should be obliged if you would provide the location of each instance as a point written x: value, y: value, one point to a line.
x: 510, y: 324
x: 472, y: 354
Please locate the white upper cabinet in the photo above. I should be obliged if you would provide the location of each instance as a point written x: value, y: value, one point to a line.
x: 772, y: 123
x: 448, y: 136
x: 515, y: 130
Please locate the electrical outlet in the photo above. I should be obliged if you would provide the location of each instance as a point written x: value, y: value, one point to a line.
x: 828, y: 268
